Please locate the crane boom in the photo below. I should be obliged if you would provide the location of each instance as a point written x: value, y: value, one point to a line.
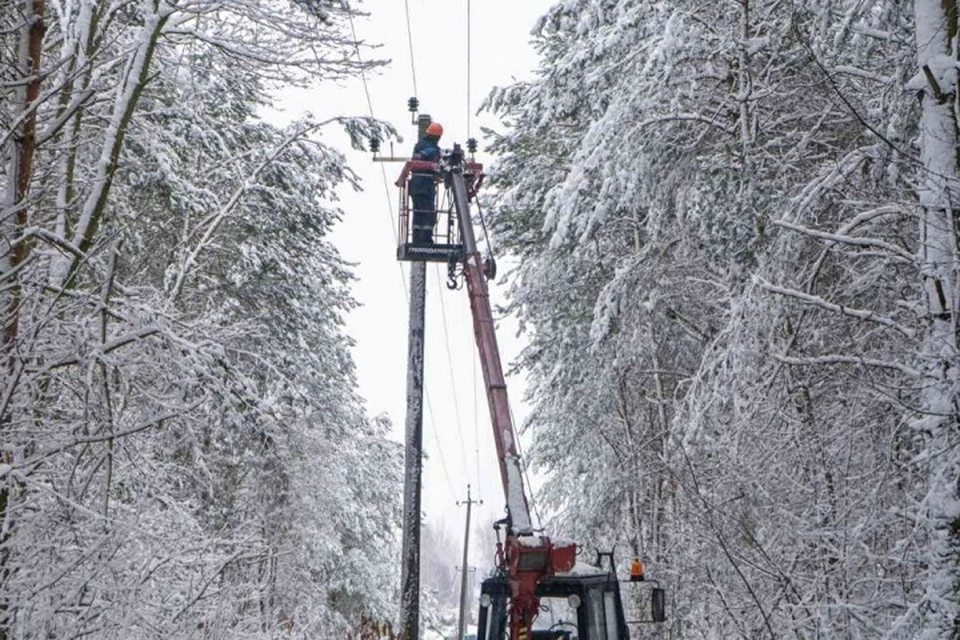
x: 530, y: 565
x: 504, y: 435
x: 527, y: 558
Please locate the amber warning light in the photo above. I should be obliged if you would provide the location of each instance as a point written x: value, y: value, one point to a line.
x: 636, y: 570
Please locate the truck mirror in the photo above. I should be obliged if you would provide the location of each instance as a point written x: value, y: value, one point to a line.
x: 658, y: 604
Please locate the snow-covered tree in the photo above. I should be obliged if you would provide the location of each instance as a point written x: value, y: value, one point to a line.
x: 714, y: 211
x: 184, y: 452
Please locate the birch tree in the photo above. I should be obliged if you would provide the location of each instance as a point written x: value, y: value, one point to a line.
x: 937, y: 189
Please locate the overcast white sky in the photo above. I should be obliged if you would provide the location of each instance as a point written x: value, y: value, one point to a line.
x: 457, y: 434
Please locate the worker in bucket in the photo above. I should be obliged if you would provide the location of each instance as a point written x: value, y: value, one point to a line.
x: 423, y: 187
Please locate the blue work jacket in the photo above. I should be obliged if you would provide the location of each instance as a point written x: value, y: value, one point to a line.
x: 426, y: 149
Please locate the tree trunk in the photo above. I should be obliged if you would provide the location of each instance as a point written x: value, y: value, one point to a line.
x: 13, y: 221
x: 22, y: 149
x: 939, y: 195
x: 135, y: 77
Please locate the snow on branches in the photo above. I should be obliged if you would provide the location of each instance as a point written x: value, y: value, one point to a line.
x: 182, y: 443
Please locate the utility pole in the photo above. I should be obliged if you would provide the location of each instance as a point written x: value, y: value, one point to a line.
x: 413, y: 447
x: 413, y: 459
x: 463, y: 573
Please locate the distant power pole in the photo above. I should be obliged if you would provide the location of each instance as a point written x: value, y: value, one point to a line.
x: 464, y: 568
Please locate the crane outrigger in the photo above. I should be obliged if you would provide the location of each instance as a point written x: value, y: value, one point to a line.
x: 531, y: 566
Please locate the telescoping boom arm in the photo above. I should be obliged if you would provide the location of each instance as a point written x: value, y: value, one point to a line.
x: 510, y: 471
x: 530, y: 565
x: 528, y: 558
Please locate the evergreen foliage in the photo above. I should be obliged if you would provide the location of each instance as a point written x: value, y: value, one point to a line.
x: 736, y: 364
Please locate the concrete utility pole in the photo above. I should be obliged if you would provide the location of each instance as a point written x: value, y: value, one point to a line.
x: 463, y: 573
x: 413, y: 458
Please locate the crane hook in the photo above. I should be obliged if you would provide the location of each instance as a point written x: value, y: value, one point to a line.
x: 453, y: 278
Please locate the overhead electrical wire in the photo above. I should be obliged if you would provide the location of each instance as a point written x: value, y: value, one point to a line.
x: 413, y: 73
x: 436, y: 439
x: 453, y: 378
x: 413, y: 67
x: 433, y: 424
x: 446, y: 332
x: 469, y: 30
x: 483, y: 225
x: 393, y: 226
x: 383, y: 171
x: 476, y: 422
x: 523, y: 467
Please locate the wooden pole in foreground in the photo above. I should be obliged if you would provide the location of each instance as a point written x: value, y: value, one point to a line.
x: 413, y: 458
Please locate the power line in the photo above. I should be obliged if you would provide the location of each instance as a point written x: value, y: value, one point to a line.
x: 383, y: 171
x: 413, y: 67
x: 523, y: 467
x: 436, y: 438
x: 483, y: 224
x: 468, y: 70
x: 393, y: 226
x: 453, y: 384
x: 476, y: 421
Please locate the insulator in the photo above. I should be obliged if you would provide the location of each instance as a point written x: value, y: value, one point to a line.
x: 472, y: 145
x: 375, y: 145
x: 413, y: 105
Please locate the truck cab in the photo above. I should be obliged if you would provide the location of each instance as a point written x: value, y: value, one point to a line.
x: 581, y: 604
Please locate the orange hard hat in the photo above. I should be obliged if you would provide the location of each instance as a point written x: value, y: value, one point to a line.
x: 636, y: 570
x: 435, y: 130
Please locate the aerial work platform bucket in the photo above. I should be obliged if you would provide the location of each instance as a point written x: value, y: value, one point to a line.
x: 446, y: 241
